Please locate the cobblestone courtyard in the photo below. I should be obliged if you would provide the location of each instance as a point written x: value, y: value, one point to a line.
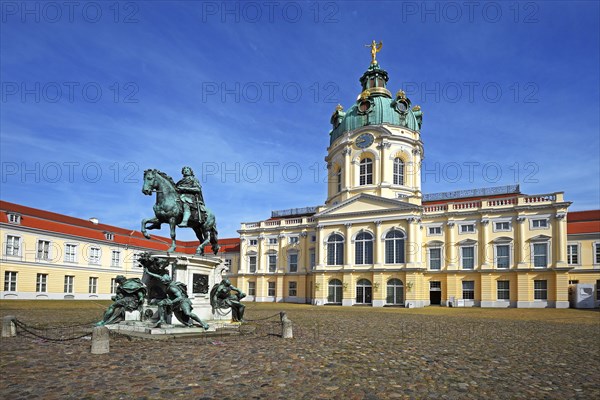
x: 337, y: 352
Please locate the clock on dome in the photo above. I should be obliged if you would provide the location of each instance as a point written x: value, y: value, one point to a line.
x: 364, y: 140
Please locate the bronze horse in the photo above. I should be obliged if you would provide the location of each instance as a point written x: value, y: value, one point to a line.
x: 168, y: 209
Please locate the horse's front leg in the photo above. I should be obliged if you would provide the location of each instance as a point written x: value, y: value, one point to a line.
x: 172, y: 225
x: 155, y: 225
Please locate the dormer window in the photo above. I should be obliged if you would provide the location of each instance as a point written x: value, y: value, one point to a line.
x: 109, y: 236
x: 14, y: 218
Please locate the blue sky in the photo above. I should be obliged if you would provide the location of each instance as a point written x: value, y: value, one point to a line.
x: 95, y: 93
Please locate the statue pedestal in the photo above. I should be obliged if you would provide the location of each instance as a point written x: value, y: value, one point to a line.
x: 200, y: 274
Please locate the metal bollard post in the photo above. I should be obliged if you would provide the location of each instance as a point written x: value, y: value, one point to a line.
x: 9, y: 326
x: 100, y: 342
x: 286, y: 326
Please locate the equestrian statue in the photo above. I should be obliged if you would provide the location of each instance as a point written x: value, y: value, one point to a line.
x: 180, y: 204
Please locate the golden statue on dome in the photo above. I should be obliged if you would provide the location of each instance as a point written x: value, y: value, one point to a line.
x: 375, y: 48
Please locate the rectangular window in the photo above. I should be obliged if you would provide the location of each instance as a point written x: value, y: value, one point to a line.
x: 135, y: 260
x: 13, y: 245
x: 539, y: 223
x: 69, y: 279
x: 109, y: 235
x: 252, y: 264
x: 293, y: 262
x: 339, y: 180
x: 115, y: 259
x: 70, y: 253
x: 272, y: 263
x: 540, y: 255
x: 253, y: 242
x: 598, y: 289
x: 573, y: 254
x: 293, y: 239
x: 272, y: 240
x: 292, y: 289
x: 251, y: 288
x: 540, y: 290
x: 366, y: 172
x: 502, y: 226
x: 271, y: 291
x: 94, y: 255
x: 10, y: 281
x: 312, y: 258
x: 596, y: 253
x: 468, y: 257
x: 503, y: 256
x: 93, y: 285
x: 468, y: 290
x: 435, y: 258
x: 503, y: 290
x: 435, y: 285
x: 41, y: 283
x: 313, y: 238
x: 113, y: 286
x: 467, y: 228
x: 227, y: 264
x: 434, y: 230
x: 14, y: 218
x: 43, y: 250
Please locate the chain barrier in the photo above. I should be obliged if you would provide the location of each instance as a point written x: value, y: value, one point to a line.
x: 65, y: 333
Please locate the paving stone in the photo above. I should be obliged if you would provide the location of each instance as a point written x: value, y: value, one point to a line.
x: 335, y: 354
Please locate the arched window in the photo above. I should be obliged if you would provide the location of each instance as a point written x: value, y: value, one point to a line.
x: 334, y: 292
x: 335, y: 250
x: 366, y: 171
x: 364, y: 292
x: 364, y: 248
x: 395, y: 292
x: 398, y: 171
x: 394, y: 247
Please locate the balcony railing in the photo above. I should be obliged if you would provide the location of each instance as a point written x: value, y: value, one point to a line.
x: 290, y: 222
x: 506, y: 202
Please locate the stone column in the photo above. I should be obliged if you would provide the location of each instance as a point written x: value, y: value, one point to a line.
x: 320, y: 249
x: 243, y: 268
x: 281, y: 259
x: 347, y: 176
x: 378, y: 256
x: 384, y: 163
x: 349, y: 247
x: 412, y: 246
x: 560, y: 240
x: 303, y: 266
x: 484, y: 251
x: 261, y: 262
x: 451, y: 258
x: 519, y: 249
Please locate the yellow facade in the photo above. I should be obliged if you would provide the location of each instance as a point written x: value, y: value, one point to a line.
x: 60, y: 264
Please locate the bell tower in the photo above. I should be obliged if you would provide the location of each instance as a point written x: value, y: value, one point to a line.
x: 375, y: 145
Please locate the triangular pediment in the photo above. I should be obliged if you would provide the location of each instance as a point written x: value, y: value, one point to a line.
x: 363, y: 204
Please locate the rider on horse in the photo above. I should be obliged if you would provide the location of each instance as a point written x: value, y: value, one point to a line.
x: 190, y: 193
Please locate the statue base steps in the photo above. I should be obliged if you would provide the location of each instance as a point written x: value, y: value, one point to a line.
x: 148, y: 329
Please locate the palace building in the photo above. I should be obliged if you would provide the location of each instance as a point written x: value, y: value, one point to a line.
x: 377, y: 240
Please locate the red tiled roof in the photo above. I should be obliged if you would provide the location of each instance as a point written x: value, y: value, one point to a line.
x: 59, y: 223
x: 583, y: 222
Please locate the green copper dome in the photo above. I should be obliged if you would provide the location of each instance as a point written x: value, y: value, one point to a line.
x: 376, y: 106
